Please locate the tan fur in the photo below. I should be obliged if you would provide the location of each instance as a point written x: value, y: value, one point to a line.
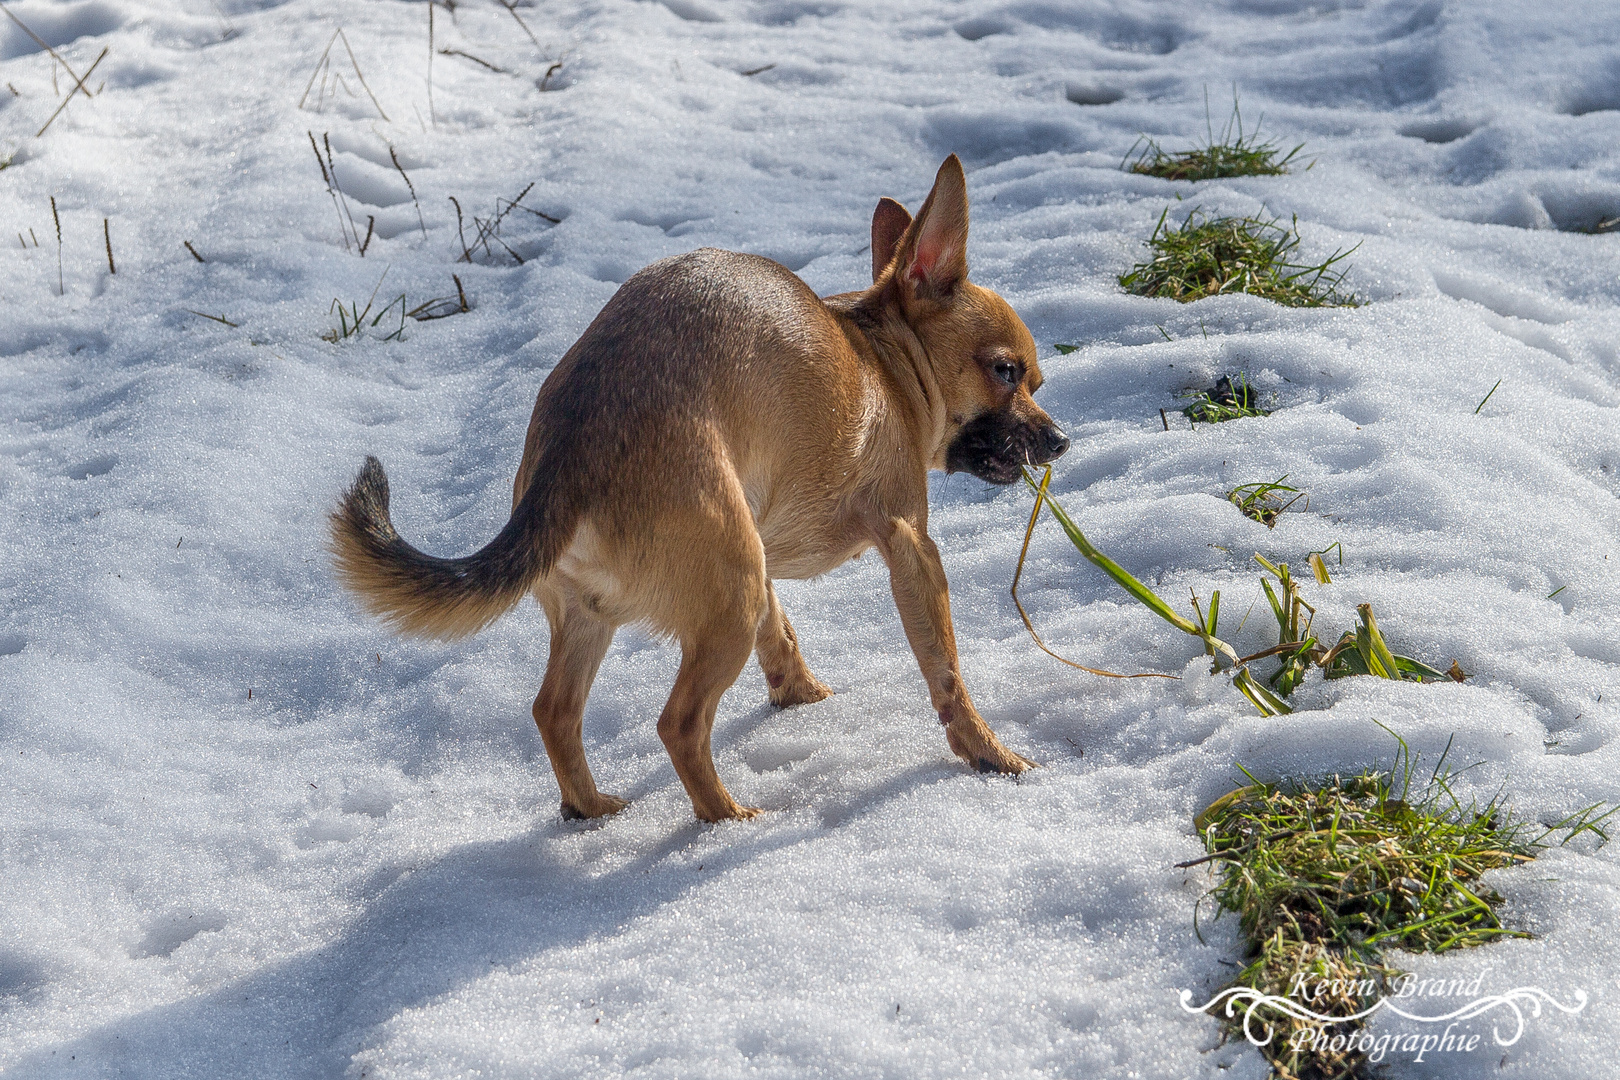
x: 717, y: 426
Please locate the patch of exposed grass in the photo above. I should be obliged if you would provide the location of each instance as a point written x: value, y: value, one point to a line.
x: 1232, y: 153
x: 1323, y: 877
x: 1206, y: 256
x: 352, y: 319
x: 1361, y: 651
x: 1229, y: 399
x: 1263, y: 501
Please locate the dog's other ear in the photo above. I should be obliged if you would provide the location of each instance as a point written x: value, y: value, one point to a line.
x: 889, y: 223
x: 934, y: 253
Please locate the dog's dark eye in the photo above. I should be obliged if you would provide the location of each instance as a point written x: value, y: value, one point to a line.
x: 1007, y: 373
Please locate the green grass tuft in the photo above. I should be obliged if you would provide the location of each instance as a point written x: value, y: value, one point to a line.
x: 1228, y: 400
x: 1324, y: 877
x: 352, y: 319
x: 1263, y: 501
x: 1210, y: 256
x: 1232, y: 153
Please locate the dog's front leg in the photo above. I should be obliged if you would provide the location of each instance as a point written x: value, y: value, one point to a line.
x: 920, y: 592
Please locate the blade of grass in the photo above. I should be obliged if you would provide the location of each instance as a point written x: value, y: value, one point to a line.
x: 1141, y: 592
x: 1034, y: 516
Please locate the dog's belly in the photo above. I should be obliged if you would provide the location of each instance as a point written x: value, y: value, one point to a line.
x: 792, y: 556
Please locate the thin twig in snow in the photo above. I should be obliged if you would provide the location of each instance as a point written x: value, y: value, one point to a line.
x: 60, y: 288
x: 409, y: 187
x: 324, y: 63
x: 329, y: 191
x: 344, y: 199
x: 511, y: 9
x: 78, y: 84
x: 361, y: 76
x: 474, y: 59
x: 466, y: 255
x: 54, y: 54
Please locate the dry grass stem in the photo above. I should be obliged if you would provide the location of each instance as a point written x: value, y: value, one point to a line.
x: 330, y: 191
x: 488, y: 230
x: 474, y: 59
x: 61, y: 289
x: 511, y: 8
x: 409, y: 187
x: 331, y: 165
x: 323, y: 67
x: 78, y: 84
x: 461, y: 233
x: 442, y: 307
x: 361, y: 76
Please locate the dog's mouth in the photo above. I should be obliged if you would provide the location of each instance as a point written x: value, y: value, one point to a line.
x: 995, y: 447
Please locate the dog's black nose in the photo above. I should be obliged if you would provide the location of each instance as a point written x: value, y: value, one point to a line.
x: 1056, y: 442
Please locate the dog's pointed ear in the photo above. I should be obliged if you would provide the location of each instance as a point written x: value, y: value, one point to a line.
x: 934, y: 252
x: 889, y: 223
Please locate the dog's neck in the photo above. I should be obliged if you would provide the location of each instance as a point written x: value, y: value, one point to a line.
x: 875, y: 317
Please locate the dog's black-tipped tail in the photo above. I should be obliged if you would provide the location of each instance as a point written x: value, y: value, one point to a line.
x: 425, y: 596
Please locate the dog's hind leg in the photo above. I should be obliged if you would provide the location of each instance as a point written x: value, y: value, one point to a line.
x: 778, y: 649
x: 710, y: 662
x: 579, y: 640
x: 719, y: 561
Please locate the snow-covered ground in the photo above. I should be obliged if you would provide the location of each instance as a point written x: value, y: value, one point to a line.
x: 245, y: 832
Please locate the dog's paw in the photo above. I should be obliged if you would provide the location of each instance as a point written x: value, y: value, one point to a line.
x: 977, y: 745
x: 732, y: 812
x: 602, y: 806
x: 1005, y: 762
x: 801, y: 691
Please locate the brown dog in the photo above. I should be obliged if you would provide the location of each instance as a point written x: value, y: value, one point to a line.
x: 717, y: 426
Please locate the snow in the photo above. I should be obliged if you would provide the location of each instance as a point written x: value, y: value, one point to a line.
x: 359, y: 870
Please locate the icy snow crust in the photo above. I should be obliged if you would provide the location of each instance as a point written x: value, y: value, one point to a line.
x: 360, y: 869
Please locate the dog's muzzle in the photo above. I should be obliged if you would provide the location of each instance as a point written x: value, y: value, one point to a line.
x: 995, y: 446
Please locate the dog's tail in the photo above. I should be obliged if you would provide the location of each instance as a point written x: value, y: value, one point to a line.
x: 431, y: 597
